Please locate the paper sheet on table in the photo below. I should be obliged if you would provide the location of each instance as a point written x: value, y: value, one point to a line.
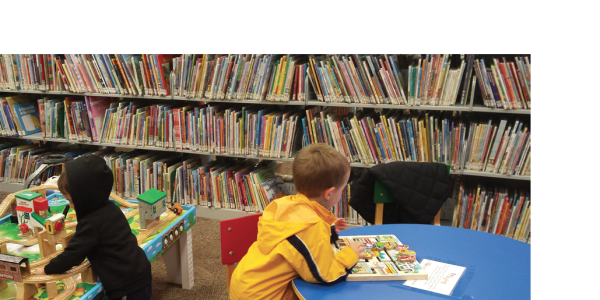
x: 442, y: 277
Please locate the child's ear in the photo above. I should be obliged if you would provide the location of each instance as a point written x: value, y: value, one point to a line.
x: 327, y: 193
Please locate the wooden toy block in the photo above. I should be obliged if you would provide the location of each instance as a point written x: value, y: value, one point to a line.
x: 380, y: 245
x: 389, y: 241
x: 46, y: 244
x: 369, y: 254
x: 3, y: 284
x: 51, y: 289
x: 406, y: 258
x: 405, y: 252
x: 382, y: 255
x: 406, y: 267
x: 25, y: 290
x: 362, y: 268
x: 88, y: 276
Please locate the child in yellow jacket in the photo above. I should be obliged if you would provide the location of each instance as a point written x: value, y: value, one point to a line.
x: 295, y: 232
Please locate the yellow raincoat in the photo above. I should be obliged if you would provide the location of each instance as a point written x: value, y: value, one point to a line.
x: 293, y: 241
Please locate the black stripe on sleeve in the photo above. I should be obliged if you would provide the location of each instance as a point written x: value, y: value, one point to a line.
x: 334, y: 235
x: 312, y: 265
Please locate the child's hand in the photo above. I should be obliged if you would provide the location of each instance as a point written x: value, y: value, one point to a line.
x: 359, y: 248
x: 340, y: 224
x: 38, y: 271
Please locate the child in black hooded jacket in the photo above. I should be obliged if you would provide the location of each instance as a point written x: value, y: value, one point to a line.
x: 102, y: 235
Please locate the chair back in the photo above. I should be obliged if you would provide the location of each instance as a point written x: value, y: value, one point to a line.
x: 237, y: 235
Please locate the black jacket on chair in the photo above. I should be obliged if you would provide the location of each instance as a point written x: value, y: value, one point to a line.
x: 419, y: 188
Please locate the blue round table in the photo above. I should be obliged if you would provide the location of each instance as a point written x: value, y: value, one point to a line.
x: 497, y: 267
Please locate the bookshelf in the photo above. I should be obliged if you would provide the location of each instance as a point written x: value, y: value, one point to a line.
x: 472, y: 105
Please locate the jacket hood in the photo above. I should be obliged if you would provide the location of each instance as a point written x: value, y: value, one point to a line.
x: 90, y: 181
x: 287, y: 216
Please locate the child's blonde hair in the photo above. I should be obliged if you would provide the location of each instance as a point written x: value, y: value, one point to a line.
x: 317, y: 168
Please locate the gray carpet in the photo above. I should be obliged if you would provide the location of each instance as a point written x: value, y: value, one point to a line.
x: 209, y: 273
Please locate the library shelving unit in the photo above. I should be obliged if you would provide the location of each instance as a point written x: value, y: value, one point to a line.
x: 310, y: 101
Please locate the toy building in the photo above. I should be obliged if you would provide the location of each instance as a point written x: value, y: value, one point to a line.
x: 152, y: 204
x: 12, y: 268
x: 55, y: 233
x: 32, y: 211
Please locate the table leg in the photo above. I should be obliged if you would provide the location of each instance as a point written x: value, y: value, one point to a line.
x: 179, y: 262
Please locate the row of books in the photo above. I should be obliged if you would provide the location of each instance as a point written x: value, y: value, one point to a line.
x: 343, y: 210
x: 123, y: 74
x: 494, y: 210
x: 372, y: 137
x: 268, y: 77
x: 222, y: 128
x: 17, y: 162
x: 432, y: 82
x: 28, y: 72
x: 379, y: 79
x: 18, y: 116
x: 499, y: 147
x: 505, y: 84
x: 357, y: 79
x: 232, y: 184
x: 431, y: 79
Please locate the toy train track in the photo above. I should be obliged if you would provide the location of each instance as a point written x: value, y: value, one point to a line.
x: 151, y: 231
x: 122, y: 201
x: 30, y: 242
x: 47, y: 278
x: 69, y: 288
x: 128, y: 216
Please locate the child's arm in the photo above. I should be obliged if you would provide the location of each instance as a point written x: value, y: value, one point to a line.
x: 82, y: 243
x: 317, y: 263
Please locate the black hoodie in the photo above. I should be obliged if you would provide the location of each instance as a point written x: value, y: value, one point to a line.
x: 103, y: 234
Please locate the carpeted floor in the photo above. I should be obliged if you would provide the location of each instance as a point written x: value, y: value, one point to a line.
x: 209, y: 273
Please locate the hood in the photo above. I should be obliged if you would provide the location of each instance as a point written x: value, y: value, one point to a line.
x: 287, y: 216
x: 90, y: 181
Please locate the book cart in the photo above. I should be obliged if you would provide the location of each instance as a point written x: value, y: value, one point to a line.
x: 169, y: 236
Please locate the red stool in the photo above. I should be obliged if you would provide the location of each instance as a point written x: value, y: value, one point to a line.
x: 237, y: 235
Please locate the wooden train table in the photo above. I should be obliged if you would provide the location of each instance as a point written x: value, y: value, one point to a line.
x: 24, y: 248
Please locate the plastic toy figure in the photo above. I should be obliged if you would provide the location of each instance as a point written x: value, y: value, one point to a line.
x: 176, y: 208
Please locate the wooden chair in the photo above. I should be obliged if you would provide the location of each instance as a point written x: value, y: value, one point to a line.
x: 237, y: 235
x: 382, y: 196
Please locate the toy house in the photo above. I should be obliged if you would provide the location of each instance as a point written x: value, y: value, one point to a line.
x: 152, y: 204
x: 13, y: 268
x: 32, y: 211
